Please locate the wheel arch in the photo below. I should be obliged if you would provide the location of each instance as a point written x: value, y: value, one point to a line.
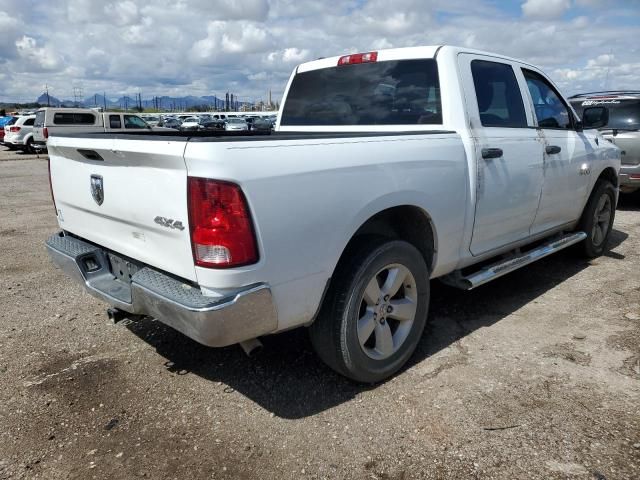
x: 405, y: 221
x: 609, y: 174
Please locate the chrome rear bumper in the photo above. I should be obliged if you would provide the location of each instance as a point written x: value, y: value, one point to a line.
x: 216, y: 322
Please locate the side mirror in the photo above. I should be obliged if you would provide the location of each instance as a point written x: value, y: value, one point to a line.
x: 595, y: 117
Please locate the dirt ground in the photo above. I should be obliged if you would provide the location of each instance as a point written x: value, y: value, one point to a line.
x: 534, y: 376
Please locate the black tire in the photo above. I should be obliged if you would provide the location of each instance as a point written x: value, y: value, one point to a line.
x: 598, y: 232
x: 334, y: 334
x: 28, y: 148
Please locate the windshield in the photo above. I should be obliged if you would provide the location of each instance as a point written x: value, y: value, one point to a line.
x: 623, y: 114
x: 235, y: 120
x: 405, y: 92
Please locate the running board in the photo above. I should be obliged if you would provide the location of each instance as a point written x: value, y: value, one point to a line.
x: 498, y: 269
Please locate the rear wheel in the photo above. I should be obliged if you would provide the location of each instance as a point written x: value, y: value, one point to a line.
x: 375, y: 311
x: 29, y: 146
x: 597, y: 218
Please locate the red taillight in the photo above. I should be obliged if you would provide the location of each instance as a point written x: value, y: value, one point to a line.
x: 358, y: 58
x: 14, y: 129
x: 222, y: 233
x: 51, y: 186
x: 45, y: 132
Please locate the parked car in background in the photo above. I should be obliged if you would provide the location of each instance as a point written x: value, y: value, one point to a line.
x: 169, y: 122
x: 213, y: 124
x: 4, y: 121
x: 236, y: 125
x: 151, y: 120
x: 19, y: 134
x: 264, y: 123
x: 622, y: 129
x: 190, y: 123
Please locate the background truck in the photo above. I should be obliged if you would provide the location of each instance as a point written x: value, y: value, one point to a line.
x: 622, y: 128
x: 387, y: 169
x: 54, y: 121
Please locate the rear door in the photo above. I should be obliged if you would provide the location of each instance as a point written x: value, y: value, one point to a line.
x: 508, y: 152
x: 129, y: 196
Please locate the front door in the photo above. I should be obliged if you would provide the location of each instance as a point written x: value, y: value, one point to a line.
x: 508, y: 151
x: 566, y: 156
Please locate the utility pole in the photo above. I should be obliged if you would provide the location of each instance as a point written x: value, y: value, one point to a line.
x: 77, y: 95
x: 104, y: 100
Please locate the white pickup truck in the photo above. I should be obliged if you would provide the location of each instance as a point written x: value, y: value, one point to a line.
x: 387, y: 169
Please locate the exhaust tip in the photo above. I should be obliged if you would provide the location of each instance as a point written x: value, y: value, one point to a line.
x: 252, y: 347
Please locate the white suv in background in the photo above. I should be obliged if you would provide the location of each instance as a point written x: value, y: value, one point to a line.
x: 19, y: 134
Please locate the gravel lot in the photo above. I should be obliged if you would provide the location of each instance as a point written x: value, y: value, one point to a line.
x: 536, y: 375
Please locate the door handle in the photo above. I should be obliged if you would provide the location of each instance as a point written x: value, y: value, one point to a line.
x: 488, y: 153
x: 552, y: 149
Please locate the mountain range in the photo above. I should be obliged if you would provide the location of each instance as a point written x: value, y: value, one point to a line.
x: 164, y: 102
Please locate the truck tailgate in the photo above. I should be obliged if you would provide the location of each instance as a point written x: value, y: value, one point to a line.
x: 141, y: 181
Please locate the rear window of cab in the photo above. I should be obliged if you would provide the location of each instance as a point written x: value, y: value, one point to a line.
x: 402, y: 92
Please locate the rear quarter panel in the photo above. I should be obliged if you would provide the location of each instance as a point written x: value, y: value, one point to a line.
x: 308, y: 198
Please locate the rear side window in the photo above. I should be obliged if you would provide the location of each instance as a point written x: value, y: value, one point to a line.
x: 624, y: 114
x: 551, y: 111
x: 405, y: 92
x: 114, y: 121
x: 499, y: 99
x: 64, y: 118
x: 39, y: 119
x: 29, y: 122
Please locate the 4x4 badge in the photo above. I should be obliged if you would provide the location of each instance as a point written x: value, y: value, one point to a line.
x: 97, y: 189
x: 169, y: 222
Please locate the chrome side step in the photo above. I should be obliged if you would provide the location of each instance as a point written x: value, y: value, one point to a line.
x: 498, y: 269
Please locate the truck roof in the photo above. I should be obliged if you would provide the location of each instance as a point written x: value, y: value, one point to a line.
x: 405, y: 53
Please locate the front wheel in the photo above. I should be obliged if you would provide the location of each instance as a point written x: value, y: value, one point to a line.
x: 375, y: 311
x: 597, y: 218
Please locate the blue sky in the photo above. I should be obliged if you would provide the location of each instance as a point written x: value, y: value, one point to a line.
x: 205, y: 47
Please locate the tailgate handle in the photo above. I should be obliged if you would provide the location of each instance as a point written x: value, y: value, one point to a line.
x: 90, y: 154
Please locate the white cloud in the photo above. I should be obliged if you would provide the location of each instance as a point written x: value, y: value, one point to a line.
x: 600, y: 61
x: 202, y: 47
x: 9, y: 32
x: 545, y: 8
x: 40, y: 58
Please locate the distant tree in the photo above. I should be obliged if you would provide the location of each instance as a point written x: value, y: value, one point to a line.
x: 3, y: 113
